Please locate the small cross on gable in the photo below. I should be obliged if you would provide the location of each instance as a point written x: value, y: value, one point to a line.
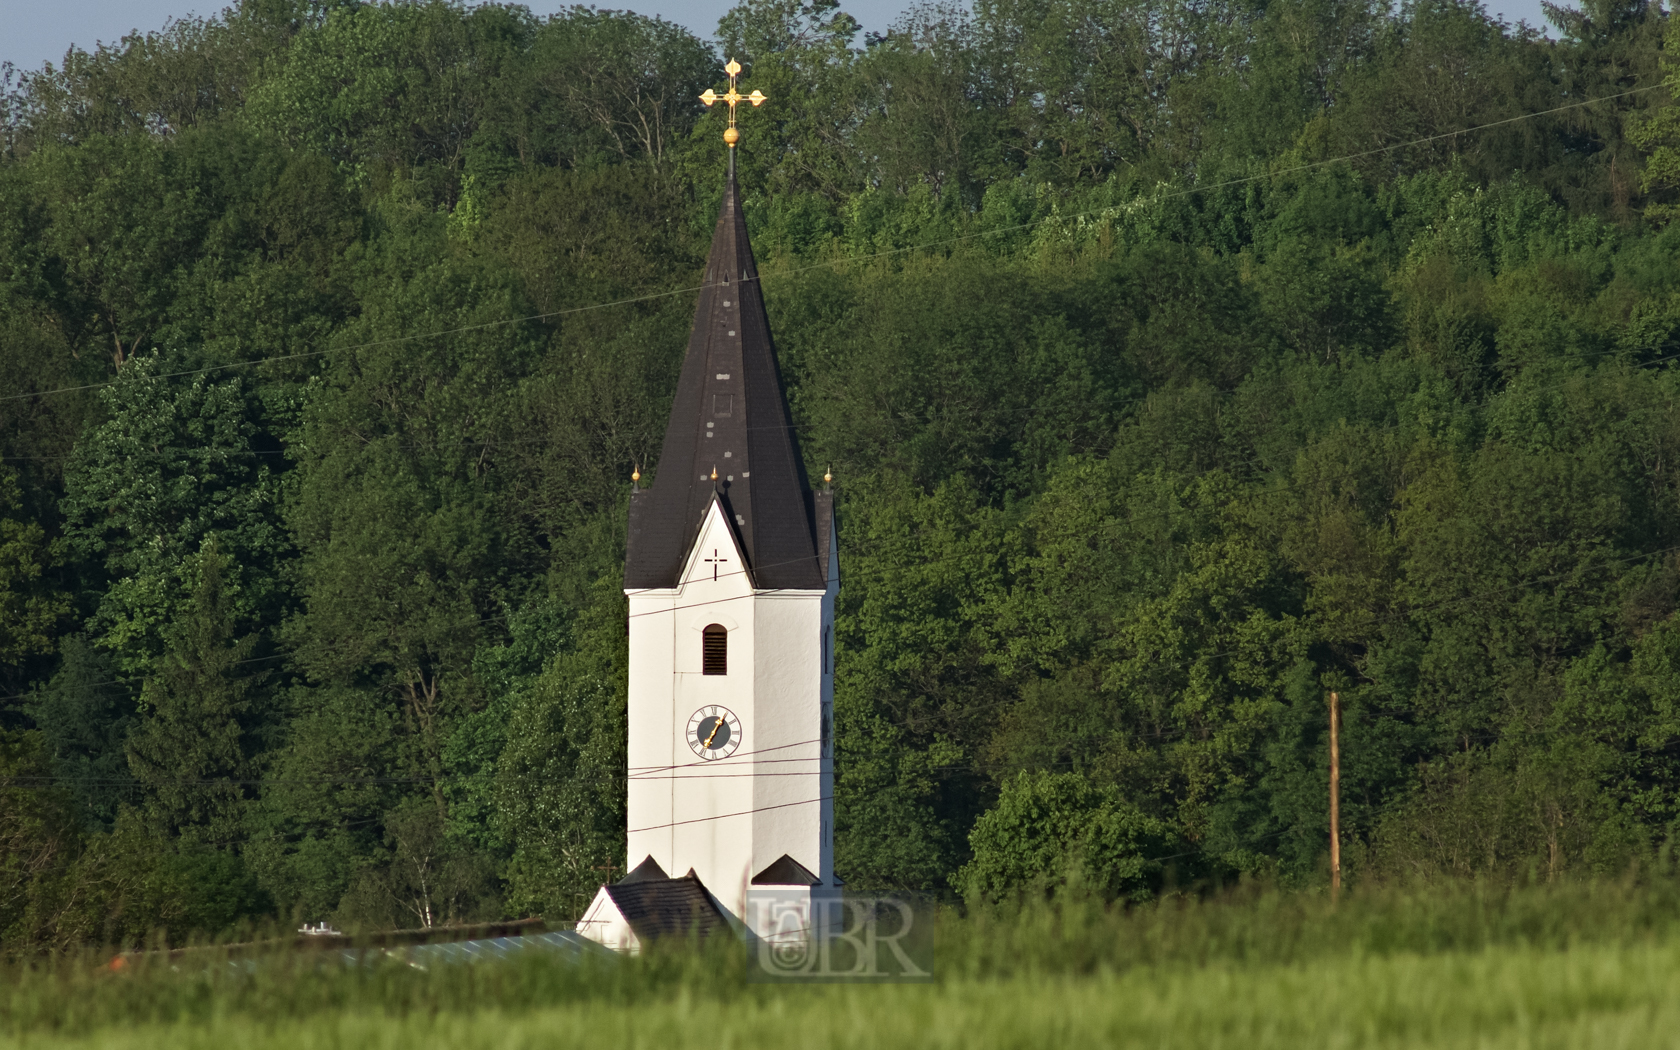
x: 714, y: 561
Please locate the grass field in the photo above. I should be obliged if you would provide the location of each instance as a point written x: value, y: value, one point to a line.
x: 1580, y: 966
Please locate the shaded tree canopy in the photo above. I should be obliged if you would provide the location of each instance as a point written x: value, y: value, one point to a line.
x: 1177, y: 364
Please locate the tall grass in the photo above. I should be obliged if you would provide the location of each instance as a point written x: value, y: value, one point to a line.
x: 1575, y: 964
x: 1255, y: 925
x: 1599, y: 998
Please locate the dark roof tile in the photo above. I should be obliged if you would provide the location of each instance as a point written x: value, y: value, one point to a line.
x: 657, y: 907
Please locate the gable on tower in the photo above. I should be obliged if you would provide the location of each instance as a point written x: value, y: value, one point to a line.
x: 716, y: 553
x: 729, y: 421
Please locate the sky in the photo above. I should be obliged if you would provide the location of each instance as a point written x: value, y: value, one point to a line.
x: 37, y: 31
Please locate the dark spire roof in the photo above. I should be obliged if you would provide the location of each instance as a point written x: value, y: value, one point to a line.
x: 730, y: 415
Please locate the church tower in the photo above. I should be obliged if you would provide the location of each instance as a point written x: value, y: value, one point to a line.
x: 731, y: 573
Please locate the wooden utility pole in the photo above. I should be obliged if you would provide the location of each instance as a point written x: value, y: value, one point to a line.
x: 1335, y: 797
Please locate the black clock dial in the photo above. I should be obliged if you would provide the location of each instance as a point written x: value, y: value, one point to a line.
x: 714, y: 732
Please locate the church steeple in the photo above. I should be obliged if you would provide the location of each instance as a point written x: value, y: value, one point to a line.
x: 731, y: 577
x: 730, y: 417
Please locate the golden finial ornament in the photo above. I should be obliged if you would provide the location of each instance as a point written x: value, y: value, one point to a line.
x: 731, y: 135
x: 828, y: 477
x: 714, y: 472
x: 636, y: 475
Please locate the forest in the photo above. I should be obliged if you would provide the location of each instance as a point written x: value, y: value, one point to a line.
x: 1178, y: 363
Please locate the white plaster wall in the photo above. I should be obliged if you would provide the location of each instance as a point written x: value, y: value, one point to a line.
x: 730, y: 818
x: 651, y: 707
x: 789, y: 713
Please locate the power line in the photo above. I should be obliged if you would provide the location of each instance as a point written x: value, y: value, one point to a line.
x: 514, y: 442
x: 136, y: 678
x: 1178, y: 475
x: 883, y: 570
x: 1119, y: 524
x: 637, y: 771
x: 653, y: 773
x: 944, y: 242
x: 1410, y: 609
x: 726, y: 816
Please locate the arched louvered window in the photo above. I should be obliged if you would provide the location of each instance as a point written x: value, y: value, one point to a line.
x: 714, y: 650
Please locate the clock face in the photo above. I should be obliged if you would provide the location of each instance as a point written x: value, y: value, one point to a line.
x: 714, y: 732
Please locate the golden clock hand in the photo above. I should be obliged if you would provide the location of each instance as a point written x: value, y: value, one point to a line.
x: 715, y: 729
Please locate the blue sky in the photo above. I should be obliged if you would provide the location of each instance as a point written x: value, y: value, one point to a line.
x: 37, y: 31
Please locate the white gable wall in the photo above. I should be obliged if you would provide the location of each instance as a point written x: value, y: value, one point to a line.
x: 604, y: 924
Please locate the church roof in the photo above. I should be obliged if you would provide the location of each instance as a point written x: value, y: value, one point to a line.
x: 730, y: 415
x: 655, y: 906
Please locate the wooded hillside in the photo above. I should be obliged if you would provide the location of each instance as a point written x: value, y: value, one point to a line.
x: 1178, y: 362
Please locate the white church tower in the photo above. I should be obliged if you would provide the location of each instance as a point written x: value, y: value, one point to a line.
x: 731, y: 573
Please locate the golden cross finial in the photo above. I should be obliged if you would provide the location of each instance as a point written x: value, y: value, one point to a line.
x: 734, y: 98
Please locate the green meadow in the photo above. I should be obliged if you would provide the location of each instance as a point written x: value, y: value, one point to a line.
x: 1582, y: 965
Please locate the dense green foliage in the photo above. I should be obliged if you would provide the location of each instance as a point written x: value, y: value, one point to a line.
x: 1177, y: 363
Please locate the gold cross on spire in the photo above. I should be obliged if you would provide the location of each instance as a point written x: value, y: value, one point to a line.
x: 734, y: 98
